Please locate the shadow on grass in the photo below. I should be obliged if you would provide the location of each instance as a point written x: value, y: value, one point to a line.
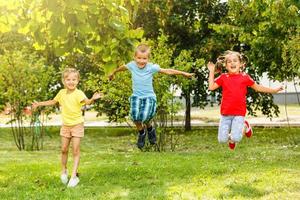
x: 244, y: 190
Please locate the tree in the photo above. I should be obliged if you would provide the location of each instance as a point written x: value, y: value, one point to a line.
x: 67, y: 32
x: 93, y: 36
x: 268, y: 28
x: 186, y: 24
x: 100, y: 29
x: 24, y: 78
x: 196, y: 87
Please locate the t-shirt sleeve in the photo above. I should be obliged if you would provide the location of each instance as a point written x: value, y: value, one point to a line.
x: 249, y: 81
x: 130, y: 65
x: 58, y: 96
x: 155, y: 68
x: 219, y: 80
x: 81, y: 96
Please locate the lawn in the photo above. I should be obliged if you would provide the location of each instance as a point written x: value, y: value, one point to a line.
x: 263, y: 167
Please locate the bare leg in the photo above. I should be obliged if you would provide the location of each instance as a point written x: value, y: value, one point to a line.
x: 65, y: 142
x: 76, y: 154
x: 149, y: 124
x: 139, y: 126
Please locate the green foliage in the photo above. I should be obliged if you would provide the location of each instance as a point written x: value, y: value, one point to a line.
x: 186, y: 25
x: 208, y: 28
x: 59, y: 28
x: 95, y: 36
x: 115, y: 103
x: 267, y: 27
x: 270, y: 30
x: 290, y: 56
x: 24, y: 78
x: 92, y: 36
x: 260, y: 101
x: 161, y: 53
x: 196, y: 86
x: 91, y: 27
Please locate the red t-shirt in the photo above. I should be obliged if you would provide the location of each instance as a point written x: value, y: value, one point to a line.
x: 234, y: 90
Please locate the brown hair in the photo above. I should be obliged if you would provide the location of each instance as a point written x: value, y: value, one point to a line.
x: 143, y: 48
x: 221, y: 60
x: 68, y: 71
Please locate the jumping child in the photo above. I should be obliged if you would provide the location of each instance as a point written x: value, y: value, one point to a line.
x: 143, y: 99
x: 234, y: 86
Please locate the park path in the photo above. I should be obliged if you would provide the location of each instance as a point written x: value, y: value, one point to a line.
x: 200, y: 118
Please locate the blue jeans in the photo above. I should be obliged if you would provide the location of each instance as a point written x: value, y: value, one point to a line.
x: 233, y: 125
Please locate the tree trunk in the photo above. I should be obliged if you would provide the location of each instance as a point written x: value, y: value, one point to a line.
x: 187, y: 113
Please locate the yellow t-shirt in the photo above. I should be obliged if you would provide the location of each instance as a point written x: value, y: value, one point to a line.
x: 70, y: 106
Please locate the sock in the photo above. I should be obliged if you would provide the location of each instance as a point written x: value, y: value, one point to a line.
x: 141, y: 132
x: 149, y: 128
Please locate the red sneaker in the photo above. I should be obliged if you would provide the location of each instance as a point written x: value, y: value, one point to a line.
x: 231, y: 145
x: 249, y: 131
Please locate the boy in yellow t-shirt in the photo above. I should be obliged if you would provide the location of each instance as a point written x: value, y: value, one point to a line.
x: 71, y: 100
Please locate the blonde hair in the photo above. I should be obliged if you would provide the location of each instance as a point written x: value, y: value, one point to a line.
x: 222, y: 60
x: 68, y: 71
x: 143, y: 48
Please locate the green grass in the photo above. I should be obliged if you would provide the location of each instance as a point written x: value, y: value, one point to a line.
x: 263, y: 167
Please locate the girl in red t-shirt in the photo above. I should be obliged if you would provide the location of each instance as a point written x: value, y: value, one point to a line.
x: 234, y: 85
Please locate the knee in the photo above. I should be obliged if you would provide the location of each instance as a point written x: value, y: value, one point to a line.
x: 148, y: 125
x: 64, y: 150
x: 236, y: 137
x: 139, y: 125
x: 223, y: 136
x: 76, y: 152
x: 223, y: 139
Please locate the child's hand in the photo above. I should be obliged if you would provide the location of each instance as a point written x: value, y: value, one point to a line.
x: 111, y: 77
x: 279, y: 89
x: 34, y: 105
x: 27, y: 110
x: 97, y: 95
x: 211, y: 66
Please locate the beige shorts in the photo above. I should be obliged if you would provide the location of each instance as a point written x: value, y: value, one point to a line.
x: 72, y: 131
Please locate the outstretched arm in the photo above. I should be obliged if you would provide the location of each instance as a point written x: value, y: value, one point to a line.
x: 261, y: 88
x: 43, y: 103
x: 94, y: 97
x: 119, y: 69
x: 175, y: 72
x: 212, y: 85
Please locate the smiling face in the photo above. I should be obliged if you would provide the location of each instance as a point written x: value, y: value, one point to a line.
x: 141, y: 58
x: 233, y: 63
x: 71, y: 81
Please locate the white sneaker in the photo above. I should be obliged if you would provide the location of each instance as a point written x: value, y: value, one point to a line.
x: 73, y: 181
x: 64, y: 178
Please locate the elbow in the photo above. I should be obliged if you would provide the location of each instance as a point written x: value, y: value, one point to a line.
x: 211, y: 88
x: 169, y: 72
